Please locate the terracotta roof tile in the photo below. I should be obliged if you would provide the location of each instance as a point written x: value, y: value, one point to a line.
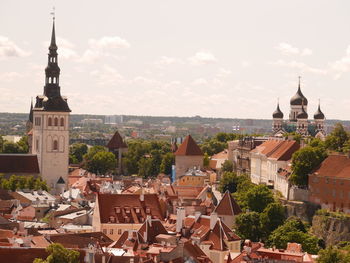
x: 189, y: 147
x: 277, y: 149
x: 116, y: 142
x: 129, y: 206
x: 334, y: 166
x: 19, y: 163
x: 228, y: 206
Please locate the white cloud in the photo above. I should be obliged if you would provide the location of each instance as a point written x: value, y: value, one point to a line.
x: 342, y: 65
x: 109, y: 42
x: 203, y: 57
x: 10, y: 49
x: 246, y: 64
x: 164, y: 60
x: 102, y: 47
x: 288, y: 49
x: 299, y: 66
x: 223, y: 73
x: 200, y: 82
x: 9, y: 76
x: 65, y: 48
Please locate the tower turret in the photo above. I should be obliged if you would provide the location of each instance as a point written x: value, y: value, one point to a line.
x: 277, y: 117
x: 319, y: 120
x: 296, y: 103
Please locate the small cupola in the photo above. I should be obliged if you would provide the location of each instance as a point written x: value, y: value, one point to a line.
x: 277, y: 114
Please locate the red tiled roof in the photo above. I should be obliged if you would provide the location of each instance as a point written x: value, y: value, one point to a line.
x: 116, y: 142
x: 130, y: 206
x: 277, y: 149
x: 189, y: 147
x: 228, y: 206
x: 80, y: 240
x: 19, y: 163
x: 334, y: 166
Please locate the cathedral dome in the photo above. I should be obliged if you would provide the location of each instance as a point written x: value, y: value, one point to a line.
x: 319, y: 114
x: 298, y: 98
x: 303, y: 114
x: 277, y: 114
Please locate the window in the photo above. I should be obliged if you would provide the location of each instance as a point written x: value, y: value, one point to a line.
x: 104, y: 231
x: 62, y: 121
x: 111, y: 231
x: 327, y: 180
x: 119, y: 231
x: 37, y: 146
x: 56, y: 121
x: 37, y: 121
x: 49, y: 121
x: 55, y: 145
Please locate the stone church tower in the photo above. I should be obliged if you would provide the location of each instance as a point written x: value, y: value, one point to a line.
x: 50, y: 132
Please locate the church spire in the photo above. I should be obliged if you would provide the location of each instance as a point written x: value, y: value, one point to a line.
x: 52, y: 71
x: 30, y: 118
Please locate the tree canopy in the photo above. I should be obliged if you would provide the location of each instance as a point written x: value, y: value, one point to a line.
x: 77, y: 152
x: 59, y: 254
x: 338, y: 139
x: 294, y: 230
x: 304, y: 161
x: 99, y: 161
x: 16, y: 182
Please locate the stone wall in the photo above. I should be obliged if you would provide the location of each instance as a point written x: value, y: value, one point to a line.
x: 331, y: 228
x: 304, y: 210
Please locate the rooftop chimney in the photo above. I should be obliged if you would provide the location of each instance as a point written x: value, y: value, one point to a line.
x: 142, y: 195
x: 180, y: 216
x: 213, y: 220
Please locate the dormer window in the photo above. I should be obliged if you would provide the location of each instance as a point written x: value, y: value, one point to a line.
x: 137, y: 210
x: 117, y: 209
x: 127, y: 210
x: 112, y: 219
x: 148, y: 210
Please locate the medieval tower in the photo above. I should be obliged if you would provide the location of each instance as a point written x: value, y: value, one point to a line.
x: 50, y: 127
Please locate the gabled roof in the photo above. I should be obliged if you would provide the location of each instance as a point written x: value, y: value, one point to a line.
x: 189, y: 147
x: 116, y: 142
x: 128, y: 208
x: 80, y: 240
x: 228, y: 206
x: 334, y: 166
x: 19, y: 163
x: 278, y: 149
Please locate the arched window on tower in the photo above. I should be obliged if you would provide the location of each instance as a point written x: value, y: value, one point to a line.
x: 49, y: 122
x: 56, y: 121
x: 55, y: 145
x: 62, y: 121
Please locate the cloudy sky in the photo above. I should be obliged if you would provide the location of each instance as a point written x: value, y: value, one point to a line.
x: 179, y: 57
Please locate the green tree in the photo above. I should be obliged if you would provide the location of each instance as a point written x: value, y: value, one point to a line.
x: 59, y: 254
x: 227, y: 166
x: 229, y: 181
x: 1, y: 143
x: 213, y: 146
x: 333, y: 255
x: 101, y: 163
x: 304, y: 161
x: 10, y: 147
x: 206, y: 160
x: 247, y: 226
x: 293, y: 230
x: 77, y: 152
x: 272, y: 217
x: 259, y: 197
x: 23, y: 144
x: 167, y: 162
x: 337, y: 139
x: 145, y: 167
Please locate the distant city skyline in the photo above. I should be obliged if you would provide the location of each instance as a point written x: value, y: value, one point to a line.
x: 229, y: 59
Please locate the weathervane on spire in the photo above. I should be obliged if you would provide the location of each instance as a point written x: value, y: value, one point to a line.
x: 53, y: 13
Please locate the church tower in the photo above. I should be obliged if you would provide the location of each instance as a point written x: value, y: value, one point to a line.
x: 298, y: 103
x: 319, y: 119
x: 277, y: 122
x: 50, y: 133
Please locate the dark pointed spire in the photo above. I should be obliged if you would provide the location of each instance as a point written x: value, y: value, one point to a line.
x: 303, y: 114
x: 277, y: 113
x: 299, y: 97
x: 319, y: 114
x: 31, y: 112
x: 53, y: 45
